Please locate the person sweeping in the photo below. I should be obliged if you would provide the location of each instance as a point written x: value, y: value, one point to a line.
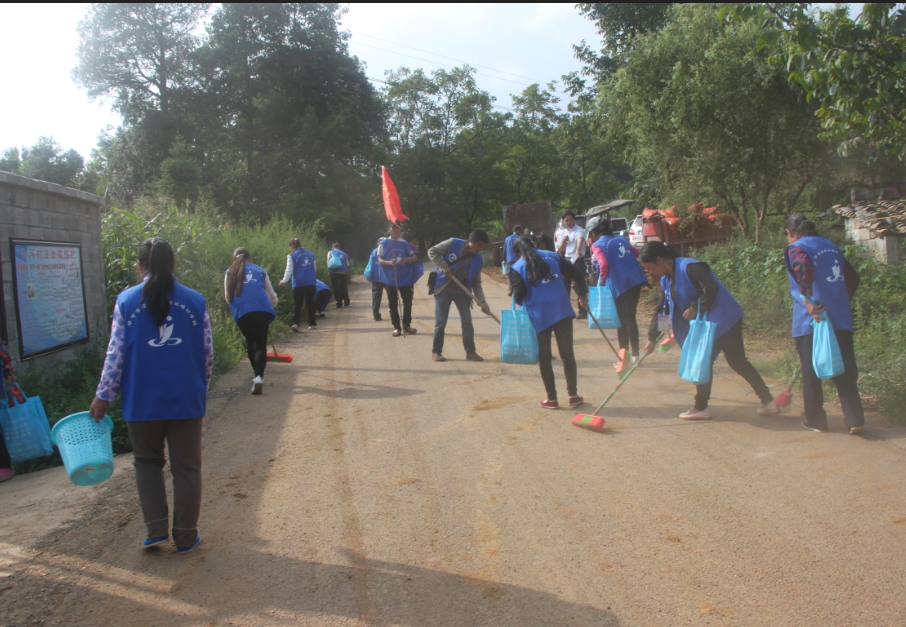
x: 248, y: 290
x: 539, y: 284
x: 819, y: 272
x: 687, y: 285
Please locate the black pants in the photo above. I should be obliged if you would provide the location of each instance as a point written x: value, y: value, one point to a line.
x: 322, y: 300
x: 564, y: 332
x: 730, y: 343
x: 253, y: 326
x: 846, y: 384
x: 377, y: 291
x: 392, y: 302
x: 305, y: 295
x: 340, y: 288
x: 4, y: 453
x: 627, y: 305
x: 579, y: 263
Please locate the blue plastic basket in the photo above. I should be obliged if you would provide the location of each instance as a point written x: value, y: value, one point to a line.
x: 86, y: 447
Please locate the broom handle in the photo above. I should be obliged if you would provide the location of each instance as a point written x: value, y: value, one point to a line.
x: 595, y: 320
x: 796, y: 376
x: 623, y: 380
x: 398, y: 303
x: 466, y: 290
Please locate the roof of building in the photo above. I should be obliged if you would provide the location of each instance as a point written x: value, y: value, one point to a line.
x: 885, y: 217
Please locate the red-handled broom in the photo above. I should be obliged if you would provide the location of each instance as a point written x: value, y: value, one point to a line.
x: 783, y: 399
x: 275, y: 356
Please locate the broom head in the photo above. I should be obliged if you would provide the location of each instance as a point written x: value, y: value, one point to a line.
x: 591, y: 422
x: 783, y: 399
x: 284, y: 357
x: 665, y: 345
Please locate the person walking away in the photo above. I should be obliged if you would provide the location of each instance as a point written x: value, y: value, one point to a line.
x: 338, y: 267
x: 540, y: 280
x: 819, y: 272
x: 322, y: 298
x: 377, y: 286
x: 462, y: 259
x: 300, y: 268
x: 159, y: 360
x: 570, y: 243
x: 617, y: 260
x: 508, y: 255
x: 7, y: 471
x: 248, y: 290
x: 399, y: 270
x: 687, y: 285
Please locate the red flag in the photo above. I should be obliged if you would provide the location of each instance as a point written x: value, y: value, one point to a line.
x: 391, y: 199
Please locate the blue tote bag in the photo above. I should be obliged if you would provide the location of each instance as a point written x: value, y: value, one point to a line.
x: 368, y: 269
x: 25, y: 429
x: 518, y: 340
x: 602, y: 307
x: 695, y: 360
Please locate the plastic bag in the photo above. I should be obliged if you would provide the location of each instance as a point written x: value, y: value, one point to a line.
x: 368, y: 269
x: 25, y: 429
x: 603, y: 307
x: 518, y: 340
x: 695, y: 360
x: 335, y: 262
x: 826, y: 358
x: 505, y: 267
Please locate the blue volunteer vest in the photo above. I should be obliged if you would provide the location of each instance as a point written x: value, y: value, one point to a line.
x: 320, y: 286
x: 475, y: 264
x: 828, y: 286
x: 510, y: 256
x: 344, y: 258
x: 304, y: 272
x: 406, y: 274
x: 254, y: 296
x: 624, y: 271
x: 725, y: 311
x: 164, y: 374
x: 547, y: 302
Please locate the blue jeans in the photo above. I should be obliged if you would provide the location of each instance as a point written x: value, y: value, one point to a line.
x: 442, y: 304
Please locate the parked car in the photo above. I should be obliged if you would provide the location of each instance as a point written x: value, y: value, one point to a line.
x: 636, y: 237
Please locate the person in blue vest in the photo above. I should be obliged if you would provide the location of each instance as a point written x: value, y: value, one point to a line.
x: 451, y: 257
x: 323, y: 297
x: 159, y: 359
x: 508, y: 255
x: 617, y: 261
x: 399, y: 269
x: 539, y: 284
x: 377, y: 286
x: 338, y: 267
x: 300, y: 268
x: 819, y: 271
x: 248, y: 290
x: 687, y: 285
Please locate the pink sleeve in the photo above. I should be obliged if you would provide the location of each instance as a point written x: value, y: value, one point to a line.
x: 603, y: 266
x: 635, y: 251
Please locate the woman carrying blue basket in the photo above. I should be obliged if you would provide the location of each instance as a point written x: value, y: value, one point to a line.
x: 616, y: 259
x: 687, y: 285
x: 819, y: 272
x: 160, y: 357
x: 539, y: 281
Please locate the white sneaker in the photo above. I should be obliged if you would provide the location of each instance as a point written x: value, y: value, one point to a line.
x: 635, y: 359
x: 257, y: 385
x: 295, y: 328
x: 311, y: 328
x: 768, y: 409
x: 695, y: 414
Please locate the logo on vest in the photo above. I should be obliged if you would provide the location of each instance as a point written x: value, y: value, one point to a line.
x: 451, y: 257
x: 249, y: 278
x: 623, y: 251
x: 556, y: 276
x: 837, y: 274
x: 165, y: 339
x: 305, y: 261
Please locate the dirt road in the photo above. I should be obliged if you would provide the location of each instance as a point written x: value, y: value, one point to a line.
x: 372, y: 486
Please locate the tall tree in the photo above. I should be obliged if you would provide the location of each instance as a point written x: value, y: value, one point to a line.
x: 46, y: 160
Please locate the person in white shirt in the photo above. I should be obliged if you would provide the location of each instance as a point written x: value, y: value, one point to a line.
x: 570, y: 243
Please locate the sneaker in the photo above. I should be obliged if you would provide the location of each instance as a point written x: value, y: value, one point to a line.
x: 635, y: 359
x: 186, y: 549
x: 149, y: 542
x: 397, y: 332
x: 855, y: 430
x: 550, y: 404
x: 378, y: 318
x: 768, y: 409
x: 438, y: 357
x: 813, y: 428
x: 257, y: 385
x: 322, y: 314
x: 312, y: 328
x: 339, y: 305
x: 575, y: 401
x: 410, y: 330
x: 473, y: 356
x: 696, y: 414
x: 6, y: 474
x: 295, y: 328
x: 346, y: 304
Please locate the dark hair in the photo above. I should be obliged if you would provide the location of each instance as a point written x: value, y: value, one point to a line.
x: 394, y: 224
x: 535, y: 266
x: 337, y: 246
x: 603, y: 227
x: 799, y: 225
x: 652, y: 250
x: 295, y: 243
x: 479, y: 236
x: 156, y: 256
x: 568, y: 213
x: 236, y: 273
x: 518, y: 227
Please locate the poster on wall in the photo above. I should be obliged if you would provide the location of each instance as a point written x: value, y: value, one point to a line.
x: 50, y: 296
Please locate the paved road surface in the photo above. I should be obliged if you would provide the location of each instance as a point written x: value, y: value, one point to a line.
x: 372, y: 486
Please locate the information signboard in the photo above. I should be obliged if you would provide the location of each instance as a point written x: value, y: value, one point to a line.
x: 50, y: 296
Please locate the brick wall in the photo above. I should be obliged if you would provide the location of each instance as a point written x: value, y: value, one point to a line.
x: 31, y: 209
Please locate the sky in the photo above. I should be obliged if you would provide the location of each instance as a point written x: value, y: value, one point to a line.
x: 517, y: 44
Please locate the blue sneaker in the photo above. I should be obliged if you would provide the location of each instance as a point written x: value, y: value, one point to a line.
x: 149, y: 542
x: 186, y: 549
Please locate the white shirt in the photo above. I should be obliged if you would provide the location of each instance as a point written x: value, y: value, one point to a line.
x: 572, y: 236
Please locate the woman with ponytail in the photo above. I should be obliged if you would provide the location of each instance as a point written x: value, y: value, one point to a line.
x: 539, y: 283
x: 248, y: 290
x: 819, y: 273
x: 159, y: 358
x: 688, y: 285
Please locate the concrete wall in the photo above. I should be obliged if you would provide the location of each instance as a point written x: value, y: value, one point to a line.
x: 890, y: 249
x: 31, y: 209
